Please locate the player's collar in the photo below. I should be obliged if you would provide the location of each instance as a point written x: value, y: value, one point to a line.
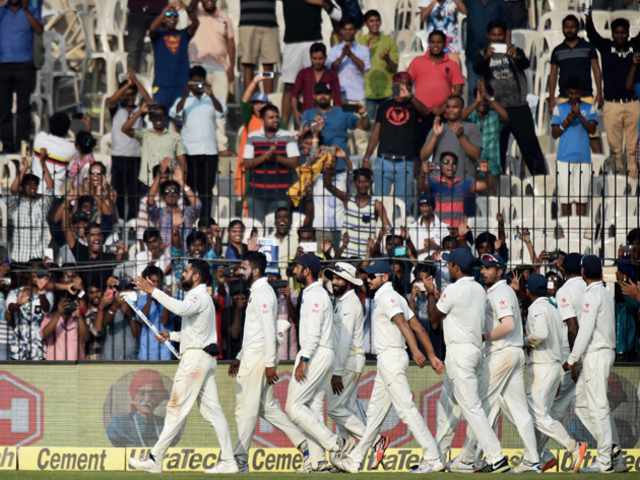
x: 496, y: 285
x: 258, y: 283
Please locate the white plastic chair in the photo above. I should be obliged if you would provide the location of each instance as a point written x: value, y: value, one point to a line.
x: 632, y: 16
x: 619, y: 185
x: 56, y: 68
x: 408, y: 42
x: 553, y: 20
x: 601, y: 20
x: 406, y: 59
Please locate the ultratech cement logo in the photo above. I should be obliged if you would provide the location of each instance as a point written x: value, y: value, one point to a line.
x: 66, y: 458
x: 8, y: 458
x: 180, y: 459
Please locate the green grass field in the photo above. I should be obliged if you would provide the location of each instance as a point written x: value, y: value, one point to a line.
x: 26, y: 475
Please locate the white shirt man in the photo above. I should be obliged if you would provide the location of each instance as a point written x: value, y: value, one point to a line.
x: 348, y: 338
x: 256, y: 362
x: 313, y: 363
x: 595, y: 344
x: 427, y: 231
x: 60, y: 152
x: 501, y: 381
x: 461, y: 309
x: 544, y: 339
x: 195, y: 377
x: 392, y: 321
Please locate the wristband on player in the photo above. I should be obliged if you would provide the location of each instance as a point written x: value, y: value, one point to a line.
x: 304, y: 359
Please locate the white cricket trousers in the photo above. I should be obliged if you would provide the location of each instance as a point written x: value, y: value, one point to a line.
x: 305, y: 401
x: 254, y: 398
x: 543, y: 380
x: 592, y: 404
x: 460, y: 396
x: 391, y: 387
x: 501, y: 384
x: 565, y: 397
x: 195, y: 379
x: 344, y: 409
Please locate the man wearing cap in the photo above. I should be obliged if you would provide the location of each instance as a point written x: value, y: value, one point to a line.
x: 348, y: 339
x: 313, y: 364
x: 255, y: 365
x: 460, y: 310
x: 501, y: 381
x: 568, y: 299
x: 393, y: 333
x: 394, y: 130
x: 595, y: 344
x: 544, y: 345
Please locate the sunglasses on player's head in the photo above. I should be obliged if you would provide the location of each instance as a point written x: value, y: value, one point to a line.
x: 172, y: 14
x: 489, y: 258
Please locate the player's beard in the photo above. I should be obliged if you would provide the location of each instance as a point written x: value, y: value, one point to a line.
x: 247, y: 280
x: 187, y: 285
x: 338, y: 291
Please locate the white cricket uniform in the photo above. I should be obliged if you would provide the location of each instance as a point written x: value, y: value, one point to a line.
x: 463, y: 303
x: 544, y: 336
x: 391, y: 386
x: 348, y: 338
x: 501, y: 380
x: 305, y: 399
x: 254, y: 395
x: 596, y: 343
x: 195, y: 377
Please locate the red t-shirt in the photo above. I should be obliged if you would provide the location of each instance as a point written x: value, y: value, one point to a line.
x: 433, y: 82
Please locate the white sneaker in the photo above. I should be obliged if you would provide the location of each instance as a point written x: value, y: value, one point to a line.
x: 428, y: 466
x: 577, y: 455
x: 306, y: 467
x: 145, y: 465
x: 458, y: 466
x: 336, y: 455
x: 618, y: 461
x: 349, y: 465
x: 526, y: 467
x: 224, y: 467
x: 597, y: 468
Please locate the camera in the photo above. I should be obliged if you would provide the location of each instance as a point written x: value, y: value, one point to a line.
x: 112, y: 249
x: 553, y: 256
x: 278, y: 284
x: 198, y: 86
x: 627, y: 248
x: 70, y: 307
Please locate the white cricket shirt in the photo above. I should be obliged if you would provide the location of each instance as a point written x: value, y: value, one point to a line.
x: 502, y: 302
x: 568, y: 298
x: 260, y: 324
x: 597, y: 322
x: 348, y: 334
x: 388, y: 305
x: 198, y: 317
x: 316, y: 320
x: 463, y: 303
x: 544, y: 332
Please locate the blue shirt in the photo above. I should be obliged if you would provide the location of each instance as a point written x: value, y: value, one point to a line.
x: 477, y: 29
x: 351, y: 77
x: 150, y: 348
x: 198, y: 120
x: 574, y: 146
x: 171, y: 52
x: 16, y: 35
x: 334, y: 132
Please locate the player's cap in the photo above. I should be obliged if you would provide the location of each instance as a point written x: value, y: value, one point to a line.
x: 591, y: 265
x: 424, y: 198
x: 310, y: 261
x: 260, y: 97
x: 402, y: 77
x: 461, y: 257
x: 571, y: 262
x: 345, y: 271
x: 381, y: 267
x: 489, y: 260
x: 537, y: 285
x: 322, y: 87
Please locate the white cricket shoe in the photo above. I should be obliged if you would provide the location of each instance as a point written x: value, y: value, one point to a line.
x: 618, y: 461
x: 577, y: 455
x: 526, y: 467
x: 145, y: 465
x: 224, y: 467
x: 349, y: 465
x: 458, y: 466
x: 429, y: 466
x: 597, y: 468
x: 336, y: 455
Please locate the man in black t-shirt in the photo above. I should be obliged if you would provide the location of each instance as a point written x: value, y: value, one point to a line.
x: 395, y: 127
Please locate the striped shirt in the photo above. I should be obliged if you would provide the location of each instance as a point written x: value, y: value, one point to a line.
x: 360, y: 223
x: 258, y: 13
x: 270, y: 180
x: 451, y: 202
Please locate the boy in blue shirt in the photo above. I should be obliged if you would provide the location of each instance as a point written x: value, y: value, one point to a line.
x: 573, y: 122
x: 171, y: 52
x: 161, y: 318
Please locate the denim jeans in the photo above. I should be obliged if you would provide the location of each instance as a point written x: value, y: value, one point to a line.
x: 398, y: 173
x: 472, y: 79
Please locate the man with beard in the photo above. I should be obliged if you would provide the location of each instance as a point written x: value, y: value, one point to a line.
x: 348, y: 340
x: 195, y: 377
x: 500, y: 382
x: 393, y: 333
x: 305, y: 398
x: 255, y: 365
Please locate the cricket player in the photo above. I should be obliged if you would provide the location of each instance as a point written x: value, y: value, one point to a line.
x: 255, y: 365
x: 501, y: 381
x: 195, y: 377
x: 544, y: 343
x: 393, y: 334
x: 313, y: 363
x: 568, y: 298
x: 348, y: 337
x: 595, y: 344
x: 461, y: 309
